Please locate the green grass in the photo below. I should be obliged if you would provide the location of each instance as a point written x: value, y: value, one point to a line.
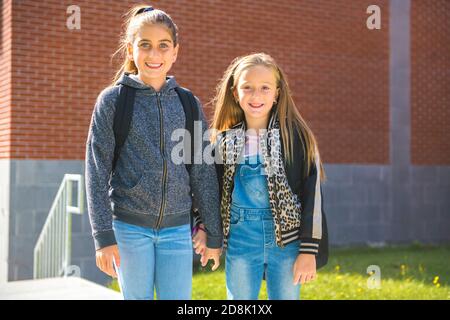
x: 415, y: 272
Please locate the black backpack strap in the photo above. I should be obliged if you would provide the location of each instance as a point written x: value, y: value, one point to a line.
x: 122, y: 118
x: 192, y: 114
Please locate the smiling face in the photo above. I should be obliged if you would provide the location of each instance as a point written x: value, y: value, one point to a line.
x: 153, y: 53
x: 256, y: 91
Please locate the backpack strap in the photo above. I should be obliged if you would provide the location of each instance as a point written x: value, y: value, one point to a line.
x: 122, y: 119
x: 192, y: 114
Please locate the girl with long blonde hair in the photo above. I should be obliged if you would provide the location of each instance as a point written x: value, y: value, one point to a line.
x: 270, y: 178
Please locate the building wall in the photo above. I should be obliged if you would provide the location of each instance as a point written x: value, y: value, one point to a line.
x: 5, y: 77
x: 363, y: 93
x: 430, y: 83
x: 5, y: 111
x: 33, y: 187
x: 4, y: 218
x: 419, y: 188
x: 338, y: 69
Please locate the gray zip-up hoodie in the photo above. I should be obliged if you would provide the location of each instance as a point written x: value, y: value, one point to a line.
x: 147, y: 188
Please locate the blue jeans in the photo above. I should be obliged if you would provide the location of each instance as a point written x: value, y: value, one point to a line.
x: 154, y: 259
x: 252, y: 251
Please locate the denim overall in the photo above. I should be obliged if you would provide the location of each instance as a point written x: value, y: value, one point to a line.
x: 252, y: 249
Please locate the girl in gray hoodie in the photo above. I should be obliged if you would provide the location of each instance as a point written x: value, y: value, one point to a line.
x: 140, y: 206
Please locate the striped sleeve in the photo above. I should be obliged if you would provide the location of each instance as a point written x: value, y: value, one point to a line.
x: 197, y: 219
x: 311, y: 217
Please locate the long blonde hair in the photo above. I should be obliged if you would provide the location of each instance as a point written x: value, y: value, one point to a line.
x: 135, y: 19
x: 228, y: 112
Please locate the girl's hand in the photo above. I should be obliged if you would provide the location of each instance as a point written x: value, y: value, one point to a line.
x: 304, y: 269
x: 105, y: 259
x: 211, y: 254
x: 199, y: 240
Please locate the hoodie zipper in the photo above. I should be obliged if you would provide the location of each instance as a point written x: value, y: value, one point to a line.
x: 161, y: 143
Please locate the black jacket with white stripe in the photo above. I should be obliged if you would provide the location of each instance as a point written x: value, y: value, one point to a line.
x: 307, y: 186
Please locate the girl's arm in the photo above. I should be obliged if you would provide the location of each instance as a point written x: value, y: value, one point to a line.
x: 311, y: 216
x: 205, y: 191
x: 304, y: 269
x: 99, y: 156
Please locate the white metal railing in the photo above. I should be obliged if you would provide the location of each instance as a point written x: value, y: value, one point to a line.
x: 53, y: 247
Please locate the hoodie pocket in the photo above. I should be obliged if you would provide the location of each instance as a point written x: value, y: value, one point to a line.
x: 121, y: 185
x: 136, y: 185
x: 143, y: 196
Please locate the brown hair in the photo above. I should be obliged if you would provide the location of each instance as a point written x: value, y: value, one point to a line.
x: 135, y: 19
x: 228, y: 112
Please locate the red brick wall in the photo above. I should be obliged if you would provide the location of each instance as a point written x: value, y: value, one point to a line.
x: 338, y: 69
x: 57, y: 74
x: 430, y: 82
x: 5, y: 77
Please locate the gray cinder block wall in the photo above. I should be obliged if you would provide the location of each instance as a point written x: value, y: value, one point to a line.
x: 33, y: 186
